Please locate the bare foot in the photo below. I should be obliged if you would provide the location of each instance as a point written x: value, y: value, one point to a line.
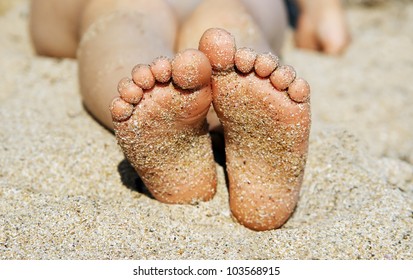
x: 265, y: 112
x: 160, y: 124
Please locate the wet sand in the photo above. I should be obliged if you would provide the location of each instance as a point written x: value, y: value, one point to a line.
x: 66, y: 191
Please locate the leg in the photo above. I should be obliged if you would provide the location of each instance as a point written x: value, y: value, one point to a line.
x: 265, y: 112
x: 159, y: 124
x: 271, y: 17
x: 256, y: 24
x: 115, y: 34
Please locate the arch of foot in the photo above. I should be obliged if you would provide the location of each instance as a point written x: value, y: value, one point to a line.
x: 189, y: 70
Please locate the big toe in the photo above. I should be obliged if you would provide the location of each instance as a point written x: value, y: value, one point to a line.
x: 191, y: 69
x: 219, y: 46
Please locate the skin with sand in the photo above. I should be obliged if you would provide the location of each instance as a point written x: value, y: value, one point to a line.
x: 163, y: 132
x: 162, y: 111
x: 265, y: 113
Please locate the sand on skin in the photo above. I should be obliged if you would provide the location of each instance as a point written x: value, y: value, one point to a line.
x: 67, y: 193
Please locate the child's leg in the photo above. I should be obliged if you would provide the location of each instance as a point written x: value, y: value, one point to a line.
x: 115, y: 36
x: 256, y: 24
x: 108, y: 37
x: 271, y: 17
x: 162, y: 132
x: 160, y: 125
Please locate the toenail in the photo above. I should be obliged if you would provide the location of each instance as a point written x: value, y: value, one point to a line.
x: 265, y: 64
x: 143, y: 77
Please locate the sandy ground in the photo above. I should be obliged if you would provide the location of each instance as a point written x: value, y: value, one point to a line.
x: 66, y: 191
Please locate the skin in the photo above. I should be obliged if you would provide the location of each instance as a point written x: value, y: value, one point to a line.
x: 58, y: 29
x: 266, y: 131
x: 162, y: 109
x: 164, y: 131
x: 322, y: 29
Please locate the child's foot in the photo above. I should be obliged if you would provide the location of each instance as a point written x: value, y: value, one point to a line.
x: 265, y: 112
x: 160, y: 124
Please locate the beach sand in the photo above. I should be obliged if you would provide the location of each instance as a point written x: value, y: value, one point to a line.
x: 66, y: 191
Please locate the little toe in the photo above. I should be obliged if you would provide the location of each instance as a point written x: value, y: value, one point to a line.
x: 299, y: 90
x: 219, y: 46
x: 120, y: 109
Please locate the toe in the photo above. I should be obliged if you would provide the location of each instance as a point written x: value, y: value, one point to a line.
x: 143, y: 77
x: 299, y: 90
x: 161, y: 69
x: 219, y: 46
x: 282, y: 77
x: 191, y: 69
x: 265, y: 64
x: 245, y: 59
x: 120, y: 109
x: 129, y: 91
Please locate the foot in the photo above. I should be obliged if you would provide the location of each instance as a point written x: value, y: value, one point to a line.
x: 265, y: 112
x: 160, y: 124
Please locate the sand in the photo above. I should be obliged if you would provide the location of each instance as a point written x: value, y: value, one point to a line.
x: 66, y: 191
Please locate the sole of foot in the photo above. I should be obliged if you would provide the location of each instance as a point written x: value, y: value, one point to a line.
x: 265, y: 112
x: 160, y: 124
